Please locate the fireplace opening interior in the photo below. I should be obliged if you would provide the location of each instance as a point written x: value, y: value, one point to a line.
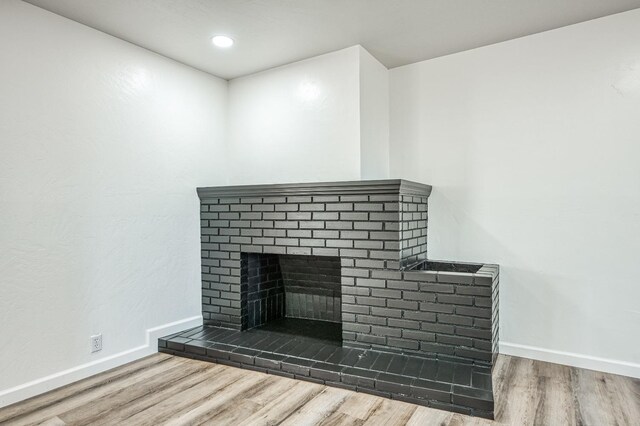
x: 292, y: 294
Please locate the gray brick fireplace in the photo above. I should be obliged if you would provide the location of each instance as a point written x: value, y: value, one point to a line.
x: 351, y: 258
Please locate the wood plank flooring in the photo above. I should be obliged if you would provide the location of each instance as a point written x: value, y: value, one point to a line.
x: 167, y: 390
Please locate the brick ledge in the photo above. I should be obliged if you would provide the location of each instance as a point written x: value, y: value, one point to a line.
x: 386, y: 186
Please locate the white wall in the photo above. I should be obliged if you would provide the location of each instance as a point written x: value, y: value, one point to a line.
x: 297, y: 123
x: 533, y: 149
x: 102, y: 145
x: 374, y: 117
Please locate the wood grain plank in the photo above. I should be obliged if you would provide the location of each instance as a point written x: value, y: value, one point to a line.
x: 319, y: 408
x: 73, y: 389
x: 341, y: 419
x: 462, y: 420
x: 212, y: 403
x: 553, y: 399
x: 424, y: 416
x: 233, y: 414
x: 283, y: 405
x: 516, y: 378
x: 87, y: 395
x: 124, y: 403
x: 605, y: 399
x: 53, y: 421
x: 279, y: 385
x: 391, y: 413
x: 248, y: 405
x: 178, y: 403
x: 360, y: 405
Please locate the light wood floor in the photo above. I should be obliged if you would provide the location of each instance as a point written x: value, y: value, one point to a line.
x: 162, y: 389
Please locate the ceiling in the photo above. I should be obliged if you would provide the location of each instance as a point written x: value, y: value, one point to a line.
x: 269, y: 33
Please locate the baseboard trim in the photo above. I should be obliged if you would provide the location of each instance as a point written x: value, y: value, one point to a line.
x: 606, y: 365
x: 56, y: 380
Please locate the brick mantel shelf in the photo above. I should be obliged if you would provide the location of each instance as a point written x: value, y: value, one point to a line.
x: 364, y: 187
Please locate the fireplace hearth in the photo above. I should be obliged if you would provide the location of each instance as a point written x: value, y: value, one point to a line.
x: 330, y: 282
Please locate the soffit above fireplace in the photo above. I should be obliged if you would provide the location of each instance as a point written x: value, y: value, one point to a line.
x: 386, y: 186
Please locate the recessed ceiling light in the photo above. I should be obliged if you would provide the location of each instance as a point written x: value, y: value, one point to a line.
x: 222, y: 41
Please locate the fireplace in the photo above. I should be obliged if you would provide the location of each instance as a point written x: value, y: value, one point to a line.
x: 293, y: 294
x: 330, y: 282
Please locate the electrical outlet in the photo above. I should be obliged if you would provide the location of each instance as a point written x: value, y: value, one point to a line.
x: 96, y: 343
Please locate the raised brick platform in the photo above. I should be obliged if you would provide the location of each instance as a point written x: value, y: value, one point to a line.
x: 449, y: 385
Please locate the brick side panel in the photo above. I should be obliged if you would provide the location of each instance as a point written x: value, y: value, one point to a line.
x: 413, y: 230
x: 420, y: 312
x: 262, y: 295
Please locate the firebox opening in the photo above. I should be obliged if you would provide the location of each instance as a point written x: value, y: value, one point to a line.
x: 292, y: 294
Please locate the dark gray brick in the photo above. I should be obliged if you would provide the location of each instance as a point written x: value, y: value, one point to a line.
x: 299, y: 250
x: 311, y: 207
x: 455, y: 299
x: 386, y: 331
x: 402, y: 304
x: 319, y: 251
x: 339, y: 207
x: 349, y: 216
x: 436, y: 307
x: 368, y: 282
x: 384, y: 235
x: 401, y: 285
x: 403, y: 343
x: 368, y: 207
x: 393, y: 294
x: 326, y: 234
x: 473, y: 311
x: 274, y: 216
x: 353, y: 253
x: 371, y: 301
x: 367, y: 244
x: 338, y: 225
x: 298, y: 215
x: 286, y: 224
x: 401, y: 323
x: 419, y: 335
x: 436, y: 288
x: 286, y: 207
x: 368, y: 319
x: 386, y: 312
x: 370, y: 226
x: 339, y: 243
x: 368, y: 338
x: 299, y: 233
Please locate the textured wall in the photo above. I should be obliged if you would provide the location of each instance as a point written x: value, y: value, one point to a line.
x: 287, y: 124
x: 532, y: 148
x: 374, y: 117
x: 101, y: 146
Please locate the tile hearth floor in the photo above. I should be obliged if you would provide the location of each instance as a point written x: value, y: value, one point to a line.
x: 278, y: 349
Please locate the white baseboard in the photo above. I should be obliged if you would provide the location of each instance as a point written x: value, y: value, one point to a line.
x: 575, y: 360
x: 56, y: 380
